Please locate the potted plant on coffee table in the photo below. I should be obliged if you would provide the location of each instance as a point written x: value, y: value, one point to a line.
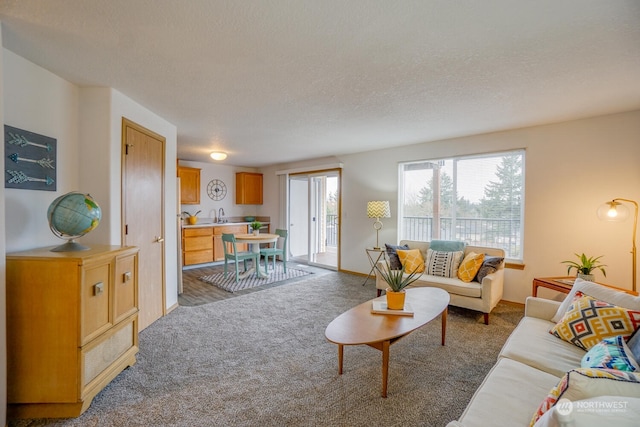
x: 584, y: 266
x: 397, y: 281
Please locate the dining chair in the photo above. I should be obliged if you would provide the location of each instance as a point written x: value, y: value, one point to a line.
x: 275, y: 251
x: 229, y: 240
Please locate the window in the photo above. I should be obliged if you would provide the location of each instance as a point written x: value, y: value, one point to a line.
x: 477, y: 199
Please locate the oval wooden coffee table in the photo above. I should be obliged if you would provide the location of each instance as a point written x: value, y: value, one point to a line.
x: 359, y: 326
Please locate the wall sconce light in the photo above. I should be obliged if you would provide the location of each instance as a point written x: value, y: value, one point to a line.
x: 378, y: 209
x: 218, y: 155
x: 616, y: 211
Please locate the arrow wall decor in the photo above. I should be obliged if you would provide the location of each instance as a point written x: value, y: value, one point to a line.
x: 30, y: 161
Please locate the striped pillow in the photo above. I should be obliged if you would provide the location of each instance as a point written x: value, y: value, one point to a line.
x: 443, y: 264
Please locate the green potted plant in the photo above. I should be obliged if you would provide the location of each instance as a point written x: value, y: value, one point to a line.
x: 585, y: 265
x: 397, y: 281
x: 255, y: 226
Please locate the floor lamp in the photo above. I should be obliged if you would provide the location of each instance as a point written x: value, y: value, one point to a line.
x: 378, y: 209
x: 616, y: 211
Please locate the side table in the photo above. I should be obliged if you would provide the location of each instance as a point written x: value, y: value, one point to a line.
x: 560, y: 284
x: 374, y: 255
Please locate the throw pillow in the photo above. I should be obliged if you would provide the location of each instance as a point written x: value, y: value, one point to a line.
x: 447, y: 245
x: 600, y: 292
x: 394, y: 261
x: 611, y: 353
x: 411, y: 260
x: 470, y: 266
x: 491, y: 264
x: 443, y: 264
x: 588, y: 321
x: 583, y: 383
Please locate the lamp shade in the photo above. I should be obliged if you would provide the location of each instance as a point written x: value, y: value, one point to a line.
x: 378, y: 209
x: 613, y: 211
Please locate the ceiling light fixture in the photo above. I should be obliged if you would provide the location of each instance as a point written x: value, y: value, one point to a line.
x: 218, y: 155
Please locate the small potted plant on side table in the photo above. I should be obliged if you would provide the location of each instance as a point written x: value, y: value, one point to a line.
x: 584, y: 266
x: 397, y: 281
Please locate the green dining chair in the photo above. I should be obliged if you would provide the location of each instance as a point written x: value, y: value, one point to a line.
x: 229, y: 240
x: 275, y: 251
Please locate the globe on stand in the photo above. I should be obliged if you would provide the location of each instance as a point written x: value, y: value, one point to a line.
x: 71, y: 216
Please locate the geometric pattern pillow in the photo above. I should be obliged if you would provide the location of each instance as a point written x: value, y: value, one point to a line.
x: 611, y: 353
x: 583, y: 383
x: 443, y: 264
x: 589, y: 321
x: 411, y: 260
x: 470, y: 266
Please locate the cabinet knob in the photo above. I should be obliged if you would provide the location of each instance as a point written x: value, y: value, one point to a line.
x: 98, y: 288
x: 126, y: 277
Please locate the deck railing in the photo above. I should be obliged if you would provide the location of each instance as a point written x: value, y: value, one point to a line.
x: 332, y: 230
x: 497, y: 233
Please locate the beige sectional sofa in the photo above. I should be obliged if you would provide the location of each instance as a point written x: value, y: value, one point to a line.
x: 481, y: 297
x: 533, y: 361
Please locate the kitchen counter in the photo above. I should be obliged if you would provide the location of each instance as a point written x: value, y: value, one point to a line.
x: 205, y: 223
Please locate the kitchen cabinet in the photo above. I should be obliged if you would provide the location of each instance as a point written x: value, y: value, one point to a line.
x: 248, y: 188
x: 71, y: 327
x: 218, y: 249
x: 197, y: 245
x: 189, y: 185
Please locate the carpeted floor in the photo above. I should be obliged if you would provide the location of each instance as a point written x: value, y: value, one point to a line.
x: 261, y: 359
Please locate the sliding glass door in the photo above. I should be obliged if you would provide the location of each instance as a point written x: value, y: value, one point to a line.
x: 314, y: 207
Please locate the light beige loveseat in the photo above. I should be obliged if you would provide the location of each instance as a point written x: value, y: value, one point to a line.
x: 532, y: 362
x: 481, y: 297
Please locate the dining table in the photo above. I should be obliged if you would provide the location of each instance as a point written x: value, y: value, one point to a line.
x: 254, y: 241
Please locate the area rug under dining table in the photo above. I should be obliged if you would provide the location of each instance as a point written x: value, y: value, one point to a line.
x: 229, y: 284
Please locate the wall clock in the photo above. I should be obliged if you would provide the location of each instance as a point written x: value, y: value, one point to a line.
x: 216, y: 189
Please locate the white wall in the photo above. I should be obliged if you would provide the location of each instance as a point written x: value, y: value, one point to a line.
x: 41, y: 102
x: 3, y: 268
x: 571, y: 168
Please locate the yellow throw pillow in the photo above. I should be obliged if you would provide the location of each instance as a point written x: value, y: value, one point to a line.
x: 411, y: 260
x: 470, y: 266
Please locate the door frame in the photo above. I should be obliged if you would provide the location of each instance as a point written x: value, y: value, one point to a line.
x: 123, y: 153
x: 309, y: 175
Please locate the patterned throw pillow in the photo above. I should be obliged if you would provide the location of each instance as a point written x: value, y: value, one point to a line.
x: 470, y: 266
x: 411, y: 260
x: 588, y: 321
x: 489, y: 265
x: 583, y: 383
x: 443, y: 264
x: 611, y: 353
x: 394, y: 261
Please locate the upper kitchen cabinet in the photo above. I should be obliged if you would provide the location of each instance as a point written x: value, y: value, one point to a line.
x: 189, y: 185
x: 248, y: 188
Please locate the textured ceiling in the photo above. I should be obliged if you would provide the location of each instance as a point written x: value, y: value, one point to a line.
x: 272, y: 81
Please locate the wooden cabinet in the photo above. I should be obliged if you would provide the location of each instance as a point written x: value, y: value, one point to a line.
x: 189, y: 185
x: 248, y: 188
x: 71, y: 327
x: 197, y: 245
x: 218, y: 249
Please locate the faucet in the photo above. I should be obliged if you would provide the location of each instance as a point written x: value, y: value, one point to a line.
x: 221, y: 215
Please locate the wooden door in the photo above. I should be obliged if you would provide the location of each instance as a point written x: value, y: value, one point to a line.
x: 143, y: 215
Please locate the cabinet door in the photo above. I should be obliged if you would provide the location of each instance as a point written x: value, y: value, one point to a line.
x: 189, y: 185
x: 95, y: 302
x: 125, y: 297
x: 248, y: 188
